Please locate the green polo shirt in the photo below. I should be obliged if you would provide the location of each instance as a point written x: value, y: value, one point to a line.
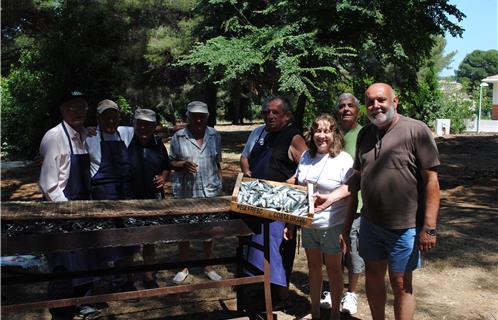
x: 350, y: 140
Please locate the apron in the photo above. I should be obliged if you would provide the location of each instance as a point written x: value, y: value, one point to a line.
x: 259, y: 161
x: 146, y: 162
x: 77, y: 188
x: 112, y: 182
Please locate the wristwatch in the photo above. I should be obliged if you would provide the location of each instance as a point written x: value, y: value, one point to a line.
x: 430, y: 231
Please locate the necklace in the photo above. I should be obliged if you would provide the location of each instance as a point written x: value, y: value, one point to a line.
x: 378, y: 144
x: 314, y: 183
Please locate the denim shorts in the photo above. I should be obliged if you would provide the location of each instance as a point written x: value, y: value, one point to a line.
x: 399, y: 247
x: 325, y: 239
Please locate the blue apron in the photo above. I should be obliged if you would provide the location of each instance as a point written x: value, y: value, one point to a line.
x: 259, y: 161
x: 77, y: 188
x: 112, y: 182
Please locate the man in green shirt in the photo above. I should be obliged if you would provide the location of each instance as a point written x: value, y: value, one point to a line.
x: 347, y: 111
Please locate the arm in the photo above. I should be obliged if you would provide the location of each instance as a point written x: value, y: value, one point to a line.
x: 219, y: 157
x: 50, y: 170
x: 244, y: 166
x: 352, y: 185
x: 297, y: 148
x: 176, y: 163
x: 432, y: 197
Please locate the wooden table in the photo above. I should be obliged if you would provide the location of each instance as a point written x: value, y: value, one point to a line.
x: 167, y: 233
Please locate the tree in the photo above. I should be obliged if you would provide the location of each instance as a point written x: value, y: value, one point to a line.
x: 476, y: 66
x: 103, y: 48
x: 299, y: 48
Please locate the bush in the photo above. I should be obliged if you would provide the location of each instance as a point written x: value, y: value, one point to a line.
x: 25, y: 111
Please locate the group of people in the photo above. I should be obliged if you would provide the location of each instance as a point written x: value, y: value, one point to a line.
x: 376, y: 191
x: 116, y: 162
x: 376, y: 196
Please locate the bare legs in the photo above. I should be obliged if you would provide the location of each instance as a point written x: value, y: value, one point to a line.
x: 401, y: 283
x: 334, y: 272
x: 149, y: 256
x: 184, y: 248
x: 353, y: 281
x: 404, y: 300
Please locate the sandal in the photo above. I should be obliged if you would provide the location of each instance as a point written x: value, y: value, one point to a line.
x: 180, y: 276
x: 212, y: 275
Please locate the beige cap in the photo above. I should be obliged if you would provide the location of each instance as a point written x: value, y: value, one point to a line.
x: 145, y: 115
x: 197, y: 107
x: 105, y: 105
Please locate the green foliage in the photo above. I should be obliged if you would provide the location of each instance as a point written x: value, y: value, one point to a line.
x: 126, y: 110
x: 476, y: 66
x: 163, y: 53
x: 456, y: 105
x: 24, y: 108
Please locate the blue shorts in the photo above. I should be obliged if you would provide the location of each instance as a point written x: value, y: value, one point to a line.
x: 399, y: 247
x: 326, y: 239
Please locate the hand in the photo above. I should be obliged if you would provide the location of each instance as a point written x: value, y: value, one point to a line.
x: 189, y: 167
x: 344, y: 243
x: 289, y: 232
x: 91, y: 131
x: 322, y: 201
x: 248, y: 173
x: 158, y: 181
x: 426, y: 241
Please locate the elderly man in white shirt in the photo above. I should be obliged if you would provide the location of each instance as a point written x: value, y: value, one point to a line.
x: 110, y: 171
x: 65, y: 175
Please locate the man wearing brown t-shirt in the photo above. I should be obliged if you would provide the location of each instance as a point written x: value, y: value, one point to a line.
x: 395, y: 164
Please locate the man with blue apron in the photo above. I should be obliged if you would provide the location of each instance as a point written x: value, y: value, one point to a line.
x: 275, y: 157
x: 149, y: 171
x: 110, y: 173
x: 65, y: 176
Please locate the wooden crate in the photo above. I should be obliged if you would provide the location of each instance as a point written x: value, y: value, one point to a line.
x: 269, y: 213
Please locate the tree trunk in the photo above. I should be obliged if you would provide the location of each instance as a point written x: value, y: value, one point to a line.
x: 211, y: 100
x: 235, y: 94
x: 299, y: 113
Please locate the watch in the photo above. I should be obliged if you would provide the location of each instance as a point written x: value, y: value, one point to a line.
x: 430, y: 231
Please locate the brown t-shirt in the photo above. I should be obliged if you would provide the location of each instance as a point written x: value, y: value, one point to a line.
x: 390, y: 163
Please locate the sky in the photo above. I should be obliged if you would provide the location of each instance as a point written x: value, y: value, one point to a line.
x: 481, y: 30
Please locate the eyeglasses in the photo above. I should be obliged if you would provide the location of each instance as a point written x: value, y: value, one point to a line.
x: 77, y: 108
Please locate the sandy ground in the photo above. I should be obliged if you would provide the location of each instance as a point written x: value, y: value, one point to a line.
x: 457, y: 281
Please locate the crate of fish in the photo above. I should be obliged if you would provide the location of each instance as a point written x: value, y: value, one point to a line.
x: 273, y: 200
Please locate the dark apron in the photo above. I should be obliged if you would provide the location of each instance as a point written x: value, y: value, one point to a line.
x: 112, y: 182
x: 146, y: 162
x: 259, y: 162
x: 77, y: 188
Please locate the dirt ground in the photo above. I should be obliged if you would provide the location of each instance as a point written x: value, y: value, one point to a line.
x: 457, y: 281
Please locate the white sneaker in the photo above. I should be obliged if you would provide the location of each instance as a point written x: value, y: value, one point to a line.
x: 326, y: 302
x: 349, y: 303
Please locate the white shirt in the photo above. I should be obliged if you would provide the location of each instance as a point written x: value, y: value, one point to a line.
x: 93, y: 142
x: 326, y: 174
x: 56, y: 155
x: 257, y: 135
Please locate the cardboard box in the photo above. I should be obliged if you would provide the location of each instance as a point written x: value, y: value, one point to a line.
x: 271, y: 213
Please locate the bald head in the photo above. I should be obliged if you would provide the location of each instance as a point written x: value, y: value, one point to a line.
x: 381, y: 103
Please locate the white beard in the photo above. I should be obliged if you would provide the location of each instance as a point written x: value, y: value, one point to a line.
x: 381, y: 119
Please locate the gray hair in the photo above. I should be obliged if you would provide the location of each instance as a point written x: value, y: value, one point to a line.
x: 286, y: 105
x: 347, y: 95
